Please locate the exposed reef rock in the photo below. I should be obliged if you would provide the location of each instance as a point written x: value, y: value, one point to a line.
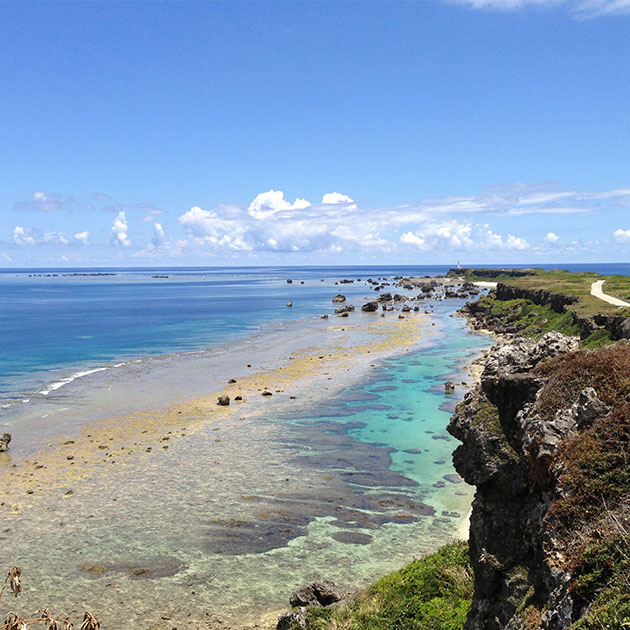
x: 5, y: 438
x: 545, y: 440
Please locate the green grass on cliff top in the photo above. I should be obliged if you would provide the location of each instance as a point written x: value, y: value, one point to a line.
x: 432, y: 593
x: 565, y: 282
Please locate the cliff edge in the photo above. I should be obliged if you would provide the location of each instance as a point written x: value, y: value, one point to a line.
x: 545, y: 440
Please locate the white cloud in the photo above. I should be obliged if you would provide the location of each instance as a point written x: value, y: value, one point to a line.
x: 335, y: 198
x: 201, y: 223
x: 158, y: 235
x: 446, y: 234
x: 515, y: 212
x: 43, y: 201
x: 623, y: 236
x: 583, y: 8
x: 490, y: 240
x: 23, y: 237
x: 5, y: 257
x: 515, y: 242
x: 551, y: 238
x: 409, y: 238
x: 269, y: 203
x: 28, y: 236
x: 119, y: 230
x: 82, y: 237
x: 55, y: 238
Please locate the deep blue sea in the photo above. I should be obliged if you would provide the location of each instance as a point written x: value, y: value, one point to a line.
x: 56, y: 319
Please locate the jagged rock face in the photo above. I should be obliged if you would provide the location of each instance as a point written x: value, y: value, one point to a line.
x: 508, y: 452
x: 556, y: 301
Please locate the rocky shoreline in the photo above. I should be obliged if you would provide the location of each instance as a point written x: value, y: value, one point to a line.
x: 533, y: 408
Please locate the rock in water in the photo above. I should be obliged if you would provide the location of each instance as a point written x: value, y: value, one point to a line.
x: 339, y: 299
x: 4, y: 442
x: 348, y: 308
x: 223, y: 401
x: 289, y: 304
x: 449, y: 387
x: 370, y: 307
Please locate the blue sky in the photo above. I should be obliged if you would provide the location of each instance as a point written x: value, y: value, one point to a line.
x: 213, y: 133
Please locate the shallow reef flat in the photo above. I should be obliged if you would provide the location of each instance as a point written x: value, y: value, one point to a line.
x: 181, y: 515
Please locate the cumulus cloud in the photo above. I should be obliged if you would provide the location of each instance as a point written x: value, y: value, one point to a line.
x: 55, y: 238
x: 551, y: 238
x: 515, y: 242
x: 623, y: 236
x: 582, y: 8
x: 82, y: 237
x: 335, y: 198
x: 28, y: 236
x: 23, y: 236
x: 119, y: 234
x: 409, y: 238
x: 43, y: 201
x: 269, y: 203
x: 454, y: 236
x: 270, y: 223
x: 447, y: 234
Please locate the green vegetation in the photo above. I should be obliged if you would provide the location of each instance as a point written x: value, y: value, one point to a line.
x: 531, y: 320
x: 432, y: 593
x: 563, y: 282
x: 592, y: 519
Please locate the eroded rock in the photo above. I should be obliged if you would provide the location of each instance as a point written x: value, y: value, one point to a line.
x: 5, y: 438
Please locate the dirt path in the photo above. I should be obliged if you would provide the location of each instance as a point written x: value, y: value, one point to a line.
x: 596, y: 290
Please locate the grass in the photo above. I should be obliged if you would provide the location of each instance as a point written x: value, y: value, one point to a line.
x: 532, y: 320
x: 432, y: 593
x: 567, y: 283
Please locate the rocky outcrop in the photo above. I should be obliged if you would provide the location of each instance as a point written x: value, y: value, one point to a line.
x: 511, y: 451
x: 348, y: 308
x: 316, y: 594
x: 5, y: 438
x: 558, y: 302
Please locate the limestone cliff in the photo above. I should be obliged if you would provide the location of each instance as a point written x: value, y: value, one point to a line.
x: 545, y: 438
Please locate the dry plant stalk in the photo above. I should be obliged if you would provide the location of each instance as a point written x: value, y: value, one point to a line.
x: 14, y: 578
x: 13, y: 621
x: 90, y: 622
x: 52, y: 623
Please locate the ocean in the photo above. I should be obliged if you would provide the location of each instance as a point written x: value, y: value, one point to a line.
x: 56, y: 324
x: 221, y: 516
